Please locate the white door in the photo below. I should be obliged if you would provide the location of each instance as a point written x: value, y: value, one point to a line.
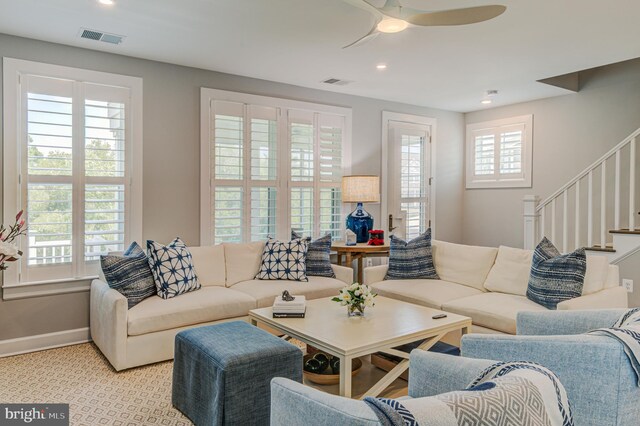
x: 408, y: 183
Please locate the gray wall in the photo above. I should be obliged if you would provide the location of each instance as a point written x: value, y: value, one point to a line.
x: 569, y: 132
x: 171, y: 158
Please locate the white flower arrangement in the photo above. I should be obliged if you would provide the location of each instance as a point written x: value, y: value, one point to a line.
x: 357, y: 296
x: 9, y: 252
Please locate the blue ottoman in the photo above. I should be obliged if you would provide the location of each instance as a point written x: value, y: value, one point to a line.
x: 222, y: 373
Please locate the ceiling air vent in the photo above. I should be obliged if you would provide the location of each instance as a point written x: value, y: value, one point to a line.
x: 100, y: 36
x: 336, y: 81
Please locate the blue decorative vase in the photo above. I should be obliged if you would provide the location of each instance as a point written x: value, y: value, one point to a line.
x: 360, y: 222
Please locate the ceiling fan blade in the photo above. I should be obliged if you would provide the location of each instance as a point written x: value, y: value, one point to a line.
x: 465, y: 16
x: 368, y: 37
x: 364, y: 5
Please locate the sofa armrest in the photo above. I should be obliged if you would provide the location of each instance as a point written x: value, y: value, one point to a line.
x: 593, y: 369
x: 614, y: 297
x: 294, y: 404
x: 343, y: 274
x: 375, y: 274
x: 565, y: 322
x: 432, y: 373
x: 108, y: 320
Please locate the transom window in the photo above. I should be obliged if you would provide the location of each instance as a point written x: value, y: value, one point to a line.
x: 271, y: 165
x: 499, y: 153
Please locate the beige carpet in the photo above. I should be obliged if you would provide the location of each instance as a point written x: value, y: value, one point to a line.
x: 81, y: 376
x: 98, y: 395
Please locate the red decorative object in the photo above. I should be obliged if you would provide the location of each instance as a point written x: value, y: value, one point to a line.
x: 376, y: 237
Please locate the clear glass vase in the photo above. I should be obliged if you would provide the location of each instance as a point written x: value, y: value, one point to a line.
x: 356, y: 310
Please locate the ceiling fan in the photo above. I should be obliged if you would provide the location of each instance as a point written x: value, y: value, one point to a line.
x: 392, y: 17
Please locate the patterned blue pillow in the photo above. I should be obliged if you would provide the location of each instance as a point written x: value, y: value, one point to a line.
x: 554, y: 277
x: 129, y: 274
x: 172, y: 268
x: 412, y: 260
x: 319, y: 258
x: 284, y: 261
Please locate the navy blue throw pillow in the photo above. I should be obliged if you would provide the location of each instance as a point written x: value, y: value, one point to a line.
x: 412, y: 260
x: 554, y: 277
x: 129, y: 274
x: 319, y: 258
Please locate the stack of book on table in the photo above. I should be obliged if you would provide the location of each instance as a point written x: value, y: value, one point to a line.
x: 295, y: 308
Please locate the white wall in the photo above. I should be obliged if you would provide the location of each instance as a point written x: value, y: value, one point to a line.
x: 569, y: 132
x: 171, y: 158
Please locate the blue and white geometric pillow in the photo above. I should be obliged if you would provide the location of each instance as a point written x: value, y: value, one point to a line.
x: 554, y: 277
x: 172, y: 268
x: 284, y: 261
x: 412, y: 260
x: 129, y: 274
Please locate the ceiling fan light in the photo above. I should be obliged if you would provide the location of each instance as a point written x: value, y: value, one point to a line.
x: 391, y: 25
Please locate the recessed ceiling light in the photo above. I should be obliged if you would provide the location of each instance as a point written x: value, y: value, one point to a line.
x: 391, y: 25
x: 485, y: 101
x: 381, y: 66
x: 106, y: 2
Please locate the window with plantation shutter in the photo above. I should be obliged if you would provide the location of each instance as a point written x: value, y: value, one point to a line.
x: 499, y: 153
x: 271, y: 165
x: 75, y: 131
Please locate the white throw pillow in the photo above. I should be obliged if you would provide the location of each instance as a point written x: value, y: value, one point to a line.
x: 462, y: 264
x: 510, y: 273
x: 596, y: 275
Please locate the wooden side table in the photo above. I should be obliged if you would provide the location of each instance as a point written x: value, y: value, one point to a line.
x: 358, y: 252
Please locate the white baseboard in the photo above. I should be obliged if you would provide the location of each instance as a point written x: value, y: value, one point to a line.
x: 41, y: 342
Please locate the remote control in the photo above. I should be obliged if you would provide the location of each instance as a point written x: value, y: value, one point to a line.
x: 438, y: 316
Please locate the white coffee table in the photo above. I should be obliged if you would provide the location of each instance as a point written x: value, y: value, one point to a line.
x: 389, y: 324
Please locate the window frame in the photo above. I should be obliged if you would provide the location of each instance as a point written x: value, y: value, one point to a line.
x: 16, y: 283
x: 497, y: 179
x: 283, y: 154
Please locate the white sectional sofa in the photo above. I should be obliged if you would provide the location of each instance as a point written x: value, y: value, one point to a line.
x: 145, y: 333
x: 489, y: 285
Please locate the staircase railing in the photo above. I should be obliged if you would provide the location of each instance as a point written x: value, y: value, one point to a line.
x: 561, y: 214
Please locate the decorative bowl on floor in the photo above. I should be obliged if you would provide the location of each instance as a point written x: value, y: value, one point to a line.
x: 327, y: 377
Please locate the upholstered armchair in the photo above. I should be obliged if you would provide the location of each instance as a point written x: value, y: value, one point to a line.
x: 600, y: 382
x: 294, y: 404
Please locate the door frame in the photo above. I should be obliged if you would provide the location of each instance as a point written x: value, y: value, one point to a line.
x: 388, y: 116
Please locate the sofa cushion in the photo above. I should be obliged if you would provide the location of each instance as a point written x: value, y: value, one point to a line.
x: 496, y: 311
x: 207, y: 304
x: 208, y: 262
x: 172, y: 268
x: 411, y: 260
x: 265, y: 291
x: 510, y: 273
x: 595, y: 275
x: 429, y: 293
x: 284, y: 260
x: 555, y: 277
x: 242, y: 261
x: 462, y: 264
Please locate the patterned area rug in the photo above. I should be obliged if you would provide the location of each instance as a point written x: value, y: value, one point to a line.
x: 81, y: 376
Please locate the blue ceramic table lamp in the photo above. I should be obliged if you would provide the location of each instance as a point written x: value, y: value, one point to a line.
x: 360, y: 189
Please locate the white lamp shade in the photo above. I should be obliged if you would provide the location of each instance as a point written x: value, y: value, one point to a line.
x: 360, y: 189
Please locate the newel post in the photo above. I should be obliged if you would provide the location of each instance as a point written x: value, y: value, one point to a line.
x: 530, y: 221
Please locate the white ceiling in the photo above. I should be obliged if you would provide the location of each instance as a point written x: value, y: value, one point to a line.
x: 299, y: 42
